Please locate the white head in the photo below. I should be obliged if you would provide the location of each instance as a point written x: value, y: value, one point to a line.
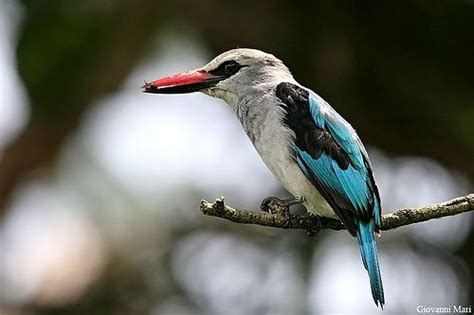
x: 231, y: 76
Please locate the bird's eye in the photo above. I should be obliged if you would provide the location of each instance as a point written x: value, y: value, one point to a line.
x: 231, y: 68
x: 227, y: 69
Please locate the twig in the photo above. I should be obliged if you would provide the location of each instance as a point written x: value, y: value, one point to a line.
x: 313, y: 224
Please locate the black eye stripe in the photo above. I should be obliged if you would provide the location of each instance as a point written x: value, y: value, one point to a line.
x: 227, y: 69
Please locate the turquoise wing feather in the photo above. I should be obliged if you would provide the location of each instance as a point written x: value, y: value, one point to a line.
x: 352, y: 183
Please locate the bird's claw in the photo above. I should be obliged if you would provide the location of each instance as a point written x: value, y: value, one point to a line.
x: 274, y: 205
x: 316, y: 226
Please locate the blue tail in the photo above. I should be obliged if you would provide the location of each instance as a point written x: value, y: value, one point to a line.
x: 368, y: 251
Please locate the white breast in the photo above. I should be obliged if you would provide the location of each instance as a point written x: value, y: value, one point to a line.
x: 272, y: 139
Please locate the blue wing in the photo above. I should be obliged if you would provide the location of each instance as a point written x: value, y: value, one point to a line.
x: 356, y: 181
x: 330, y: 153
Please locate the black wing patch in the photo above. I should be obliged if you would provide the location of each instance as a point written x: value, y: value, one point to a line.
x: 309, y: 137
x: 315, y: 140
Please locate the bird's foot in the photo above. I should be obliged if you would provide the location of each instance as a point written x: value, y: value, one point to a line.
x: 316, y: 224
x: 274, y: 205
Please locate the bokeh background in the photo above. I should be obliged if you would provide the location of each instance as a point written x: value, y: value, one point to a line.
x: 100, y: 184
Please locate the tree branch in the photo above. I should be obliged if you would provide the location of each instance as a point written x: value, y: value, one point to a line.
x: 313, y: 224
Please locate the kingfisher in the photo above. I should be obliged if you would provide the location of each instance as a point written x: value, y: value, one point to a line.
x: 315, y: 153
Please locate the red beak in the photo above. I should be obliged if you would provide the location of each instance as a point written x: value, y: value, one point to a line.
x: 186, y: 82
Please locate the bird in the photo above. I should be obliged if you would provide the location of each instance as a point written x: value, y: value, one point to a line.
x: 312, y: 150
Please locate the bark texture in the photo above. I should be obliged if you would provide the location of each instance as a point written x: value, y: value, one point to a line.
x: 313, y: 224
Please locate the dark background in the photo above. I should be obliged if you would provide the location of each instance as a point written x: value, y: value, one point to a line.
x: 401, y: 72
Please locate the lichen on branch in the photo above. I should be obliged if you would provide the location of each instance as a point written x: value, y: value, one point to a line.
x: 313, y: 224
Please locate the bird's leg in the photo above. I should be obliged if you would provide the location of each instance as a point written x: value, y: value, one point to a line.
x: 274, y: 205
